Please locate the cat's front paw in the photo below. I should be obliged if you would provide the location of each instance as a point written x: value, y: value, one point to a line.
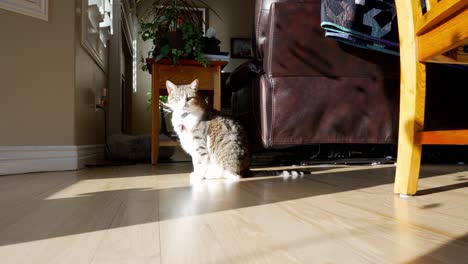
x: 195, y: 178
x: 232, y: 177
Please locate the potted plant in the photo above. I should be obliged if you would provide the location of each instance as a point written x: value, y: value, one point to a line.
x: 174, y: 30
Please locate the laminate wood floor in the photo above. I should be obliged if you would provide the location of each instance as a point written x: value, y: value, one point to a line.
x: 151, y: 214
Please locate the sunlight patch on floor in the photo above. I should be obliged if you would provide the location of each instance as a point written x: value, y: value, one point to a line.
x: 93, y: 184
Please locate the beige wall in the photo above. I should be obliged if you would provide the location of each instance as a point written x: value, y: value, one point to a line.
x: 47, y: 81
x: 89, y: 81
x: 236, y: 22
x: 36, y: 77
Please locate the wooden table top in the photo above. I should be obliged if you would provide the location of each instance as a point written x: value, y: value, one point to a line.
x: 186, y: 62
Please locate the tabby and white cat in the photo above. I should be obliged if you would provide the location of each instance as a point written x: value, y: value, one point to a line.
x: 217, y: 144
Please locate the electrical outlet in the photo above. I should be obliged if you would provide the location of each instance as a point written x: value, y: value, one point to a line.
x: 97, y: 103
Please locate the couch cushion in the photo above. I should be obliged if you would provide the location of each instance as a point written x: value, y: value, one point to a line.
x: 344, y: 110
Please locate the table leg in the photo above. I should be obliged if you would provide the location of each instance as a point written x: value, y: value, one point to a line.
x: 155, y: 116
x: 216, y: 73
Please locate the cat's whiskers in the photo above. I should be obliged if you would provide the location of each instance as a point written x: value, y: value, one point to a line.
x: 165, y: 107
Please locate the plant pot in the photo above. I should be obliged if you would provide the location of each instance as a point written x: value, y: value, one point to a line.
x: 175, y: 40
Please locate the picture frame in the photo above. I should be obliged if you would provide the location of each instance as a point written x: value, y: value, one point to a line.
x: 241, y: 48
x: 35, y: 8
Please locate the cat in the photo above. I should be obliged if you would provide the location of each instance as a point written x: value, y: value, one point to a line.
x: 217, y: 143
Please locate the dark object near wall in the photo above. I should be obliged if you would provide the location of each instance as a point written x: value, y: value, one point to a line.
x: 211, y: 45
x: 123, y: 147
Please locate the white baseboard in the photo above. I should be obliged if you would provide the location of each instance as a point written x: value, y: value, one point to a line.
x: 23, y: 159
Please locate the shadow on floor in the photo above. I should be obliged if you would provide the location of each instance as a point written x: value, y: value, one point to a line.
x: 451, y: 252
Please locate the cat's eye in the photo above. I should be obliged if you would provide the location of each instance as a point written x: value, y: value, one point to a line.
x: 189, y: 98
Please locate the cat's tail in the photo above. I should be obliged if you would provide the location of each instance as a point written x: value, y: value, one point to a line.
x: 286, y: 173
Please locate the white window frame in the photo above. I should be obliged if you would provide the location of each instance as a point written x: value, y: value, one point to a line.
x: 34, y: 8
x: 95, y: 38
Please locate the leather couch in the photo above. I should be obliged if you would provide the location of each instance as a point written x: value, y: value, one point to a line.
x: 303, y: 88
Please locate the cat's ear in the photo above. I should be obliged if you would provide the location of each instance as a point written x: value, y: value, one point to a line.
x: 194, y: 84
x: 170, y: 87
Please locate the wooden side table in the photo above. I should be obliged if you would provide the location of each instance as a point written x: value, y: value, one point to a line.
x: 184, y: 73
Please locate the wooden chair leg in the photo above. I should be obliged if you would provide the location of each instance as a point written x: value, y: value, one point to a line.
x: 407, y: 169
x: 412, y: 101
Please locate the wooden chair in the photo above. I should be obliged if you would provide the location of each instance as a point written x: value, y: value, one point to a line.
x: 435, y: 36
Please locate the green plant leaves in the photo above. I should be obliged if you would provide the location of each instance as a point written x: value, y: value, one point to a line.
x: 173, y: 16
x: 165, y: 50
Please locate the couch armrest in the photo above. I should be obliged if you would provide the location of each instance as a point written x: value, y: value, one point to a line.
x: 262, y: 13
